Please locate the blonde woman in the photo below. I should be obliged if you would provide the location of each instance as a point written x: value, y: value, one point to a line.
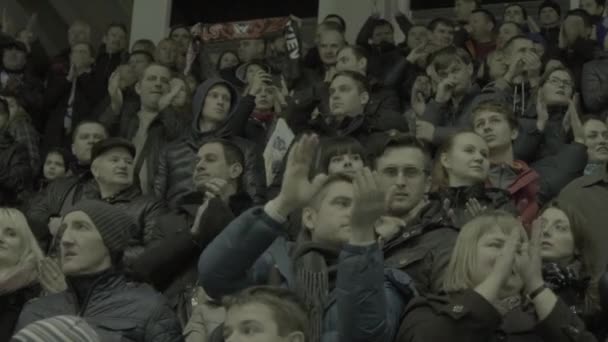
x: 494, y: 291
x: 19, y: 258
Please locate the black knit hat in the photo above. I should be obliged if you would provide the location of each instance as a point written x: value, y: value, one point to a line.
x: 552, y: 4
x: 107, y: 144
x: 114, y: 224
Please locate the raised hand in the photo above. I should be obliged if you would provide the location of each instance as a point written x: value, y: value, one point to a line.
x: 297, y: 189
x: 367, y: 209
x: 445, y: 90
x: 116, y: 96
x: 503, y: 268
x: 474, y: 208
x: 425, y: 130
x: 50, y: 276
x: 256, y: 84
x: 575, y: 120
x: 529, y: 264
x: 420, y: 91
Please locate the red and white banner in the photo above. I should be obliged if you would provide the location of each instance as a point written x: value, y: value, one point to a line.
x: 249, y: 29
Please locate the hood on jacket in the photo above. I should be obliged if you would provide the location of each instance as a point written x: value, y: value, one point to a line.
x: 200, y: 95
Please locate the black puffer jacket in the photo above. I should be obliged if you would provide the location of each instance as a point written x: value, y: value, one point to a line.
x: 117, y: 310
x: 15, y: 170
x: 145, y: 210
x: 176, y: 163
x: 58, y: 196
x: 12, y: 304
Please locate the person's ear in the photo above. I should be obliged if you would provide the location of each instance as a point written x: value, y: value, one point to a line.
x: 235, y: 170
x: 94, y: 170
x: 138, y: 87
x: 514, y: 134
x: 364, y: 98
x: 470, y: 69
x: 362, y: 64
x: 444, y: 160
x: 309, y: 218
x: 296, y: 336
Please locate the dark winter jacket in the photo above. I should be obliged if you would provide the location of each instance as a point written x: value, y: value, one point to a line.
x: 15, y: 170
x: 423, y: 248
x: 88, y: 94
x: 594, y: 85
x: 12, y: 304
x: 449, y: 120
x: 368, y: 298
x: 146, y: 210
x: 115, y: 309
x: 28, y: 91
x: 467, y: 316
x: 56, y: 199
x: 176, y: 163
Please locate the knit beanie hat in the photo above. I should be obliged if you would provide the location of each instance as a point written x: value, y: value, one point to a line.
x: 552, y: 4
x: 114, y: 224
x: 57, y: 329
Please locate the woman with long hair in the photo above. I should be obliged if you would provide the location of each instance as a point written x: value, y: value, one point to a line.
x: 494, y: 291
x: 568, y: 266
x: 19, y: 258
x: 460, y: 177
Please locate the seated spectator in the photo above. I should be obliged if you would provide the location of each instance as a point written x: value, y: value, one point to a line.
x: 596, y: 140
x: 331, y: 40
x: 416, y: 233
x: 549, y: 14
x: 166, y: 54
x: 452, y: 71
x: 55, y: 166
x: 336, y: 219
x: 442, y: 32
x: 463, y: 10
x: 268, y: 108
x: 246, y: 72
x: 139, y: 60
x: 460, y: 176
x: 485, y: 286
x: 281, y: 314
x: 516, y: 14
x: 170, y: 265
x: 596, y: 9
x: 483, y: 38
x: 71, y: 99
x: 312, y: 59
x: 44, y: 215
x: 144, y: 45
x: 382, y: 98
x: 218, y: 113
x: 576, y: 45
x: 417, y: 35
x: 530, y: 186
x: 19, y: 257
x: 79, y: 32
x: 57, y: 329
x: 17, y: 82
x: 506, y: 32
x: 16, y: 174
x: 586, y: 197
x: 568, y: 265
x: 112, y: 169
x: 94, y: 237
x: 181, y: 34
x: 227, y: 60
x: 339, y: 155
x: 112, y: 53
x: 520, y: 81
x: 349, y: 96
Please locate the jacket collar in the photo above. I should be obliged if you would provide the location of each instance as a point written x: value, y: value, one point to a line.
x: 595, y: 178
x: 126, y: 195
